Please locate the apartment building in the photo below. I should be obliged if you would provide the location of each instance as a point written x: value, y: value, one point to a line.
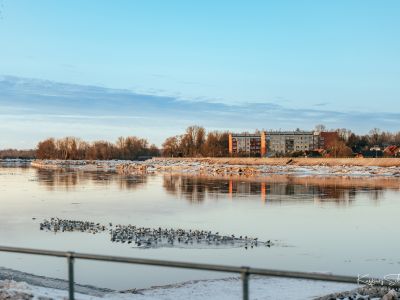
x: 273, y: 143
x: 247, y: 144
x: 282, y: 142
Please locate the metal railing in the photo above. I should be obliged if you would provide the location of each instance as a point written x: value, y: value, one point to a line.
x: 243, y: 271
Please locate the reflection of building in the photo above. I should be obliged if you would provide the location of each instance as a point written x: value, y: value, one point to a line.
x: 279, y: 191
x: 276, y: 189
x: 269, y: 143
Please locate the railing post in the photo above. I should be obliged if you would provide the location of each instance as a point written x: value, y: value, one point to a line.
x: 245, y: 282
x: 70, y: 259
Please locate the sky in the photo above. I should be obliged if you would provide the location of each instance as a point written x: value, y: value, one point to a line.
x: 272, y: 64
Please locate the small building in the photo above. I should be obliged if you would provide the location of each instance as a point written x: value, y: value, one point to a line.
x: 392, y: 151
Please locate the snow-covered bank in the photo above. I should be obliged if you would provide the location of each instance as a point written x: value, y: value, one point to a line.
x: 211, y: 168
x: 19, y: 285
x: 48, y: 282
x: 12, y: 290
x: 229, y: 288
x: 215, y: 167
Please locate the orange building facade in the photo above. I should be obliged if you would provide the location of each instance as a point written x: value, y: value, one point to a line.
x: 247, y: 144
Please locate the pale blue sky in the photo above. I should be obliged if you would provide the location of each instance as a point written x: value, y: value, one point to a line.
x: 336, y: 56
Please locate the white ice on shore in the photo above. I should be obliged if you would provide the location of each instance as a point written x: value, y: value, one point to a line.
x: 206, y: 168
x: 229, y: 288
x: 17, y: 290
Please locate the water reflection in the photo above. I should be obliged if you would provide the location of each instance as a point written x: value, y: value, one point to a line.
x: 14, y: 163
x: 343, y: 214
x: 56, y: 179
x: 196, y: 189
x: 279, y: 188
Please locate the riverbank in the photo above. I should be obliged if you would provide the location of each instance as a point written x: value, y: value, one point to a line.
x: 226, y: 288
x: 300, y: 161
x: 246, y: 167
x: 84, y: 165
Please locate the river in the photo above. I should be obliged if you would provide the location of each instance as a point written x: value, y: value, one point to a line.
x: 342, y: 225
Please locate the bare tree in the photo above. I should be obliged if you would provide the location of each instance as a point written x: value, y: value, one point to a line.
x: 75, y: 148
x: 320, y: 128
x: 171, y: 147
x: 46, y: 149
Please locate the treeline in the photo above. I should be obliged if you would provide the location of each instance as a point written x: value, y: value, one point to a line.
x: 376, y: 137
x: 14, y: 153
x: 196, y: 142
x: 364, y: 142
x: 375, y: 141
x: 73, y: 148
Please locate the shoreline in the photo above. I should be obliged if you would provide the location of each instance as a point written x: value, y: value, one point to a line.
x: 27, y: 285
x: 297, y: 161
x: 236, y: 167
x: 50, y: 282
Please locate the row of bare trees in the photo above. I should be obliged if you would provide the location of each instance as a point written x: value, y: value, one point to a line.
x: 14, y: 153
x: 194, y: 142
x: 197, y: 142
x: 363, y: 142
x: 74, y: 148
x: 376, y: 137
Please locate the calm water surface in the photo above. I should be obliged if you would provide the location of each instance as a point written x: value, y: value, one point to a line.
x: 339, y: 225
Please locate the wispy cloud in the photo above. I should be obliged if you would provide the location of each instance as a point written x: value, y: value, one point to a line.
x: 32, y: 109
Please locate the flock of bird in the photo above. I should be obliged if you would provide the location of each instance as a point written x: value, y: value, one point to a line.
x: 56, y: 225
x: 154, y: 237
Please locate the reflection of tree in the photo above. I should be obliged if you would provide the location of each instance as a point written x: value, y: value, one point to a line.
x: 195, y: 189
x: 376, y: 194
x: 131, y: 182
x: 60, y: 178
x: 21, y: 164
x: 65, y: 179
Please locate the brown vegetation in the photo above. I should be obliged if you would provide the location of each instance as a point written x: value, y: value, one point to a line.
x: 196, y: 143
x: 14, y: 153
x: 75, y: 149
x: 379, y: 162
x: 376, y: 137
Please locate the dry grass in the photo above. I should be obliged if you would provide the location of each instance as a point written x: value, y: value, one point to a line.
x: 379, y: 162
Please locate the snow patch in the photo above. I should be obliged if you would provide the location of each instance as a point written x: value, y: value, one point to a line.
x: 228, y: 288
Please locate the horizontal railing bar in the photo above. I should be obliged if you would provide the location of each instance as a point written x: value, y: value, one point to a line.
x: 34, y: 251
x: 121, y: 259
x: 187, y: 265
